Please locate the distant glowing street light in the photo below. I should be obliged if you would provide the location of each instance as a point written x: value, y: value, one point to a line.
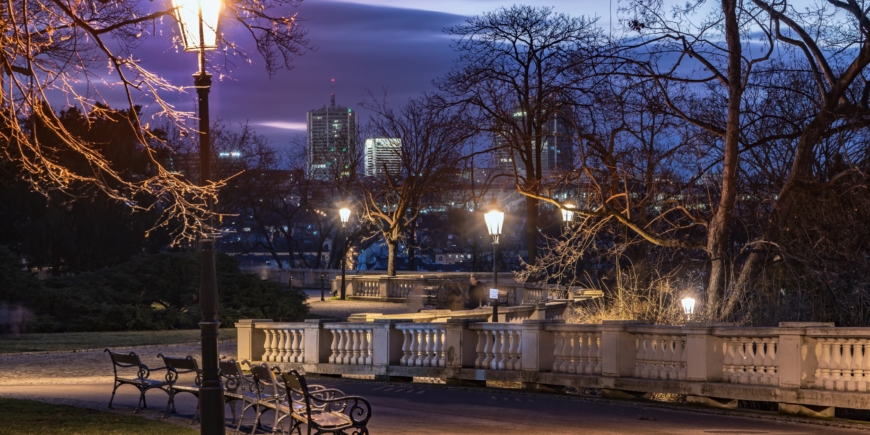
x: 494, y: 220
x: 568, y: 214
x: 198, y: 20
x: 688, y: 306
x: 344, y: 215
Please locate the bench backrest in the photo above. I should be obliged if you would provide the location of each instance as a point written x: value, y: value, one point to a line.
x: 232, y: 374
x: 297, y: 389
x: 264, y: 380
x: 128, y: 360
x: 176, y: 366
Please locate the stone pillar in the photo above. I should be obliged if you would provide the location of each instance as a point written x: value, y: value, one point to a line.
x: 704, y: 352
x: 460, y: 343
x: 250, y: 345
x: 383, y: 287
x: 318, y: 341
x: 387, y: 342
x: 618, y: 348
x: 537, y: 345
x: 796, y: 360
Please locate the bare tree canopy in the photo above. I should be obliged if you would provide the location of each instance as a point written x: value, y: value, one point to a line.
x: 58, y: 53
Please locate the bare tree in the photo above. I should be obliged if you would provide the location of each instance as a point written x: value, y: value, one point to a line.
x: 54, y: 53
x: 432, y: 140
x: 516, y: 67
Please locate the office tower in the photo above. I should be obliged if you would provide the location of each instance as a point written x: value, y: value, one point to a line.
x: 383, y: 153
x: 331, y: 137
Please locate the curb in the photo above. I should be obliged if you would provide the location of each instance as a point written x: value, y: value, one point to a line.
x: 100, y: 349
x: 750, y: 414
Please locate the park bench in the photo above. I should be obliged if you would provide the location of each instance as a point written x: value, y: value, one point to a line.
x: 129, y: 370
x: 176, y: 367
x: 324, y: 411
x: 237, y: 386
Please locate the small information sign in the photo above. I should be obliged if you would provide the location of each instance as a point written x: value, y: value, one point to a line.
x: 493, y: 293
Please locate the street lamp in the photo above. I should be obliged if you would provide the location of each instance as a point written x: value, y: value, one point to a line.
x: 494, y: 220
x: 688, y: 307
x: 344, y: 215
x: 198, y: 20
x: 568, y: 214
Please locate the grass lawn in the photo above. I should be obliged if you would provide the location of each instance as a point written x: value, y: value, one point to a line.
x: 26, y: 417
x: 97, y: 340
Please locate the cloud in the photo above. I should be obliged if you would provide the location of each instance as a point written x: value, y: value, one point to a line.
x: 281, y: 125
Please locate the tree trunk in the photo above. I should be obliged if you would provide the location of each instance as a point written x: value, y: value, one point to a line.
x: 531, y: 229
x: 719, y: 232
x: 412, y: 242
x: 392, y: 252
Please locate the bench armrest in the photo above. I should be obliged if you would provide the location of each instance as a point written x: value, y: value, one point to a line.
x: 355, y: 407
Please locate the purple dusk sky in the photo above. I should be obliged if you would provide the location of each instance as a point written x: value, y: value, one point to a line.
x: 395, y: 47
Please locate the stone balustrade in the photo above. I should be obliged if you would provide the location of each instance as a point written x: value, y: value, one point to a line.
x: 351, y: 343
x: 423, y: 344
x: 807, y: 368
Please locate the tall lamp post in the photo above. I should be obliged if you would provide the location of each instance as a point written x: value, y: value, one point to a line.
x: 198, y: 20
x: 344, y: 214
x: 494, y: 220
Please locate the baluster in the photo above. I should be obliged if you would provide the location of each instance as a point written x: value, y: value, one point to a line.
x: 490, y: 343
x: 427, y: 357
x: 836, y: 357
x: 440, y: 360
x: 281, y: 350
x: 572, y: 345
x: 301, y: 356
x: 845, y: 368
x: 518, y: 365
x: 354, y: 349
x: 657, y: 356
x: 639, y: 356
x: 481, y: 346
x: 292, y: 341
x: 592, y: 355
x: 370, y: 354
x: 558, y: 339
x: 757, y: 373
x: 498, y: 350
x: 683, y: 360
x: 740, y: 360
x: 333, y: 358
x: 863, y: 347
x: 267, y: 345
x: 581, y: 353
x: 855, y: 360
x: 677, y: 358
x: 406, y: 345
x: 511, y: 355
x: 728, y: 359
x: 415, y: 347
x: 771, y: 376
x: 823, y: 371
x: 342, y: 346
x: 598, y: 362
x: 667, y: 364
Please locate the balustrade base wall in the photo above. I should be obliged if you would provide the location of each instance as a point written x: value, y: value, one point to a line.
x: 806, y: 371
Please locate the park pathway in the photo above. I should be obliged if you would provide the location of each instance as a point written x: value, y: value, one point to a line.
x: 83, y: 379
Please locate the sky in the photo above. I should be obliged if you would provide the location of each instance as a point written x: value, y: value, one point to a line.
x: 391, y: 48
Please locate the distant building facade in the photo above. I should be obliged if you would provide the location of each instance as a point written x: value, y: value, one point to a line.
x: 332, y: 132
x: 557, y: 154
x: 383, y: 154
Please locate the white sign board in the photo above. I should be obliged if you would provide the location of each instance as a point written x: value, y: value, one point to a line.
x: 493, y: 293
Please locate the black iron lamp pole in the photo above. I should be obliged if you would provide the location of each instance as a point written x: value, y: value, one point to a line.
x: 344, y: 214
x: 494, y: 220
x: 198, y: 20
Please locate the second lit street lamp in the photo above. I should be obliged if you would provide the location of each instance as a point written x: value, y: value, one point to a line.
x: 344, y: 214
x: 494, y: 220
x: 198, y: 20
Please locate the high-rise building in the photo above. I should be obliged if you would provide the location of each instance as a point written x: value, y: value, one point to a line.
x: 557, y: 154
x: 331, y: 137
x: 383, y: 154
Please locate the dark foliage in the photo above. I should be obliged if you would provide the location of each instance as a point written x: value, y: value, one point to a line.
x: 151, y: 292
